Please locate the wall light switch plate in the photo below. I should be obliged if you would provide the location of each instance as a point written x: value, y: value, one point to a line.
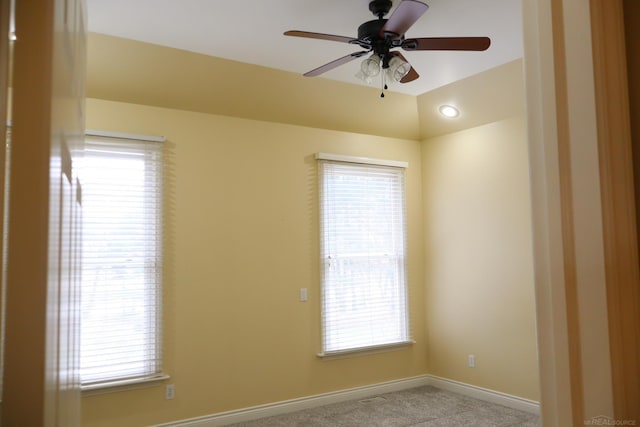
x: 304, y: 295
x: 170, y: 391
x: 472, y: 361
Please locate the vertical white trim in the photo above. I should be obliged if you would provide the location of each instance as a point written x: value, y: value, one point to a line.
x: 582, y: 174
x: 546, y: 213
x: 587, y: 207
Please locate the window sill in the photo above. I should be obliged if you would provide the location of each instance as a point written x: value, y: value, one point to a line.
x: 362, y: 351
x: 123, y: 385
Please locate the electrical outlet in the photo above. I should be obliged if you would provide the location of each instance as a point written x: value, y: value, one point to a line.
x: 170, y: 392
x: 472, y: 361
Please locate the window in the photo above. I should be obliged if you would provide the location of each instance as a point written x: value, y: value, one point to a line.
x: 121, y: 259
x: 362, y: 221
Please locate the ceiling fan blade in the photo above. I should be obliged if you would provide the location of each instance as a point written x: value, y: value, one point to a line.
x: 405, y: 15
x: 320, y: 36
x: 336, y: 63
x: 447, y: 43
x: 412, y: 74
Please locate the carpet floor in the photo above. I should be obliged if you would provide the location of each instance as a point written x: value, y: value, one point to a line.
x: 417, y: 407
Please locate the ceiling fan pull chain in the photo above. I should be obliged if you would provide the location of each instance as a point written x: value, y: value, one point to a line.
x: 384, y: 85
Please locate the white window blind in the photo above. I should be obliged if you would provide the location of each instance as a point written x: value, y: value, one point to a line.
x: 121, y: 263
x: 362, y: 219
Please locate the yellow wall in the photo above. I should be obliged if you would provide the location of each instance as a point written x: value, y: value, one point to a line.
x: 242, y: 239
x: 478, y: 258
x: 142, y: 73
x: 242, y: 233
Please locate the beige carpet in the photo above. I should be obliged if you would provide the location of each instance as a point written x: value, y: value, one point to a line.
x: 418, y: 407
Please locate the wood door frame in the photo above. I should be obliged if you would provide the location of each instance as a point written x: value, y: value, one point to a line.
x: 618, y: 203
x: 5, y: 19
x: 28, y: 222
x: 41, y: 385
x: 585, y: 240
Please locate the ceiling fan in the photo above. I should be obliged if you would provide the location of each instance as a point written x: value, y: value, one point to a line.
x: 381, y: 35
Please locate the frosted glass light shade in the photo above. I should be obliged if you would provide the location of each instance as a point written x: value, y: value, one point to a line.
x: 398, y: 68
x: 371, y: 66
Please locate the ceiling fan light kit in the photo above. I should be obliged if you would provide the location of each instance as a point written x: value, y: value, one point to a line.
x: 380, y: 36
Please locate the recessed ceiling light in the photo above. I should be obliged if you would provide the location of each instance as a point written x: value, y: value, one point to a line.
x: 449, y: 111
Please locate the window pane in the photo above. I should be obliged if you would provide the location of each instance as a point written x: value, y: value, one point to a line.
x: 362, y: 222
x: 121, y: 290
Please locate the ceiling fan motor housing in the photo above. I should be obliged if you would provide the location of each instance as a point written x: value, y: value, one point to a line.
x: 370, y: 34
x: 370, y: 30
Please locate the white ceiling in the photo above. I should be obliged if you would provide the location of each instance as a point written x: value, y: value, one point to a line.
x: 250, y: 31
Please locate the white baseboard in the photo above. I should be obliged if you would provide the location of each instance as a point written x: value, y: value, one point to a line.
x: 485, y: 394
x: 287, y: 406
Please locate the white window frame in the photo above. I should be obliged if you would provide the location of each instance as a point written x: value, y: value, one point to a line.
x: 390, y: 263
x: 138, y: 267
